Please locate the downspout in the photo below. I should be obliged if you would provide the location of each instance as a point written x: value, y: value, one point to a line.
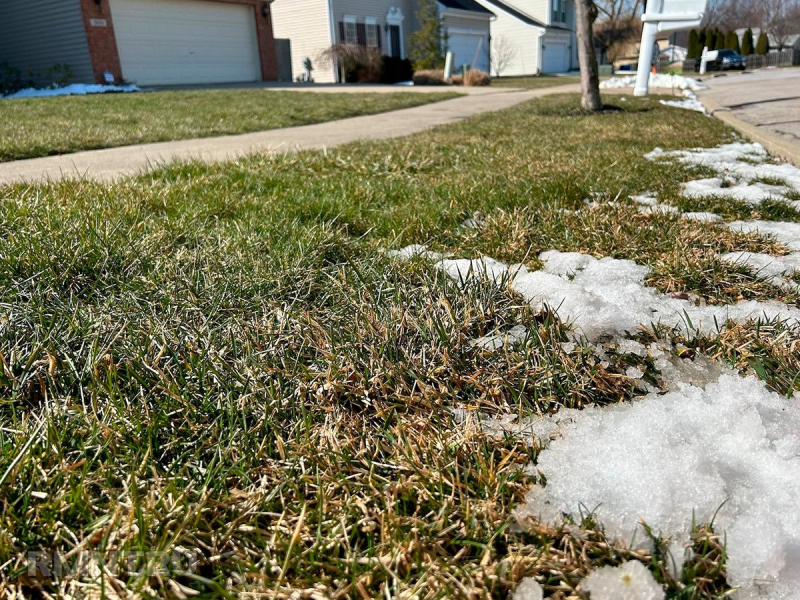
x: 332, y: 40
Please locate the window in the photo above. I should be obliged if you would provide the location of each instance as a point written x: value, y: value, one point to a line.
x: 372, y: 33
x: 559, y: 11
x: 350, y: 31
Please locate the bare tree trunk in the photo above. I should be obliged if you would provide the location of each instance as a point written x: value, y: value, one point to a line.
x: 585, y: 15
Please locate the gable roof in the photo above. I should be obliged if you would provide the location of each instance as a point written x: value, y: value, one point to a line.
x: 517, y: 14
x: 469, y: 5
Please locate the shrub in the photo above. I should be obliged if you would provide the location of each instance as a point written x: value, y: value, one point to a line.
x: 732, y: 42
x: 476, y: 77
x: 747, y: 43
x: 357, y: 64
x: 457, y: 80
x: 430, y: 77
x: 395, y: 69
x: 762, y: 47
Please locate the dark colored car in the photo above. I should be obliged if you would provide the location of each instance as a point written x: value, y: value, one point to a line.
x: 726, y: 60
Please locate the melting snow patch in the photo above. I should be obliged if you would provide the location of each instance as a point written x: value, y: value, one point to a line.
x: 76, y: 89
x: 629, y: 581
x: 528, y: 589
x: 746, y: 163
x: 413, y: 250
x: 689, y: 102
x: 752, y: 193
x: 705, y: 217
x: 787, y: 234
x: 733, y: 447
x: 498, y: 341
x: 772, y: 268
x: 657, y: 80
x: 608, y: 296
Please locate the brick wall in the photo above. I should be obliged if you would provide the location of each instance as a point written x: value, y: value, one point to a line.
x: 103, y: 44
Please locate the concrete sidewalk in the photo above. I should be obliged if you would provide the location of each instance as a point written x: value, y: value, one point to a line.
x: 111, y: 163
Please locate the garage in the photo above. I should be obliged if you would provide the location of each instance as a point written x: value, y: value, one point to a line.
x: 168, y: 42
x: 555, y: 55
x: 469, y: 49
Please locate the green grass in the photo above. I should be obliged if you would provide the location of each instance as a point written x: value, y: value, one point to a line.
x: 535, y: 81
x: 224, y: 360
x: 45, y: 126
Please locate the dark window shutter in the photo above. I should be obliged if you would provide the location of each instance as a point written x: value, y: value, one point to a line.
x: 341, y: 32
x: 361, y: 34
x: 378, y: 34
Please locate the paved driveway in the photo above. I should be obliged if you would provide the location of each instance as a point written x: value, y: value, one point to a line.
x: 769, y: 99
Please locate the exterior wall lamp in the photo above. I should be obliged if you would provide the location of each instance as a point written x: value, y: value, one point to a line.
x: 265, y: 10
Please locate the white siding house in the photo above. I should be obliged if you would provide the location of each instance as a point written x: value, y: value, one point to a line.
x: 541, y: 34
x: 312, y: 26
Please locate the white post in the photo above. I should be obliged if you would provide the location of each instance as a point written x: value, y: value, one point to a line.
x: 448, y: 65
x: 704, y: 61
x: 649, y: 31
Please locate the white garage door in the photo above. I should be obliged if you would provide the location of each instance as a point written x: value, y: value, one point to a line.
x: 555, y: 58
x: 165, y: 42
x: 469, y: 49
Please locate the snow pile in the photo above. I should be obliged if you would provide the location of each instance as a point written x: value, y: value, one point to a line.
x: 733, y: 447
x: 75, y: 89
x: 629, y: 581
x: 690, y: 102
x: 741, y: 166
x: 528, y: 589
x: 608, y: 296
x: 657, y: 80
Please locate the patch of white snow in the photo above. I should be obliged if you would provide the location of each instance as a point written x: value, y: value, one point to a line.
x: 629, y: 581
x: 657, y: 80
x: 75, y: 89
x: 608, y: 296
x: 528, y: 589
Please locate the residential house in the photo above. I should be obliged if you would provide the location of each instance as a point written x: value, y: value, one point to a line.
x: 312, y: 26
x: 148, y: 42
x: 785, y: 42
x: 539, y: 34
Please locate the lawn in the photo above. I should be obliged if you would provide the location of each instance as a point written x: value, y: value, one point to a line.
x: 535, y: 81
x: 222, y: 364
x: 46, y: 126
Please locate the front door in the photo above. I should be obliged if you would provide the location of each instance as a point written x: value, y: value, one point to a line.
x: 394, y: 40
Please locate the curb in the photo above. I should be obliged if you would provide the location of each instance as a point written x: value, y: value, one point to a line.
x: 773, y: 143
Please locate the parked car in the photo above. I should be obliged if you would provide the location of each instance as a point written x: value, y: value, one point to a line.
x: 726, y: 60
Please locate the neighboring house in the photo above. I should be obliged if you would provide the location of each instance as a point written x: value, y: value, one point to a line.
x: 788, y: 41
x: 148, y: 42
x: 312, y: 26
x: 541, y: 34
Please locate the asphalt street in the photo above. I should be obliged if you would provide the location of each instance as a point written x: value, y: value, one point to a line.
x: 769, y: 99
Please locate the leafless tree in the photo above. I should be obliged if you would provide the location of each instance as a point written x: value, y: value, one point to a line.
x: 618, y: 25
x: 618, y: 10
x: 585, y: 15
x: 779, y: 18
x: 503, y: 52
